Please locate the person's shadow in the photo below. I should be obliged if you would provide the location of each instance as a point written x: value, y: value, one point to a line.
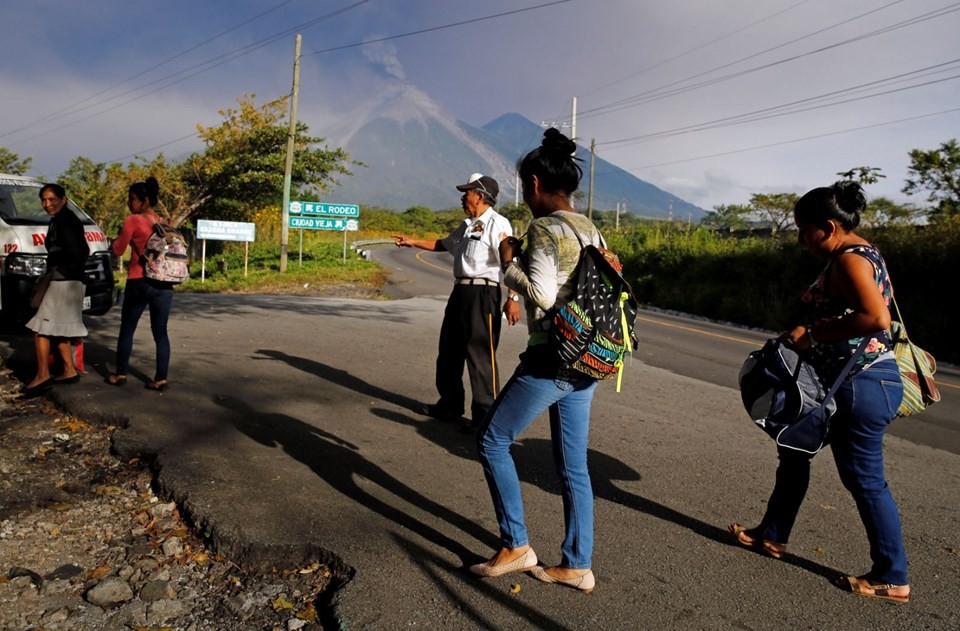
x: 340, y: 464
x: 534, y: 458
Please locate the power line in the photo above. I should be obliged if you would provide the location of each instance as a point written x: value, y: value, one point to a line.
x: 792, y: 107
x: 652, y: 94
x: 657, y: 94
x: 220, y: 60
x: 696, y: 48
x: 787, y: 142
x: 161, y: 146
x: 230, y: 56
x: 437, y: 28
x: 54, y: 115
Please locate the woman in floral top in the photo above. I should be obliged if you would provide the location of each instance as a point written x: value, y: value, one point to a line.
x: 543, y: 275
x: 849, y: 301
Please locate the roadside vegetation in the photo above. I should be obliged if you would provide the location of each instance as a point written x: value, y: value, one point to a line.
x: 740, y: 264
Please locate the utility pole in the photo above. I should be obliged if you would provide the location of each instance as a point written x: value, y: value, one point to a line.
x: 618, y: 216
x: 572, y: 124
x: 593, y: 145
x: 288, y: 167
x: 573, y: 121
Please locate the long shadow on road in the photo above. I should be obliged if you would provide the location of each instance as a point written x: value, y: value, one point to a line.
x: 340, y: 464
x: 535, y: 461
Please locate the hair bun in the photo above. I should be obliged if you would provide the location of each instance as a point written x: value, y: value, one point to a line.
x: 554, y: 141
x: 153, y: 186
x: 849, y: 195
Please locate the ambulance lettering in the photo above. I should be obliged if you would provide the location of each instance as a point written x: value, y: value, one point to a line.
x: 39, y: 238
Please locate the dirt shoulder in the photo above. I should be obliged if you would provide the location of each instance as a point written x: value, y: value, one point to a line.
x: 85, y: 542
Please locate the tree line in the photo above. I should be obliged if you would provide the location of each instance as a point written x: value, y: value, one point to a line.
x: 238, y: 174
x: 934, y: 173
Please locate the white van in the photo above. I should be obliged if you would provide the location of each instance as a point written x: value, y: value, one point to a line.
x: 23, y: 255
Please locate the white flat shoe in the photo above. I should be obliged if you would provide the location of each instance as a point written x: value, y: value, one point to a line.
x: 584, y: 583
x: 524, y: 563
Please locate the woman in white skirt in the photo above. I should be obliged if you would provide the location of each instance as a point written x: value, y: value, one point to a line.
x: 59, y: 317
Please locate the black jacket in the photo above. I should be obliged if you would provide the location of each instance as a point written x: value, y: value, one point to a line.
x: 67, y: 248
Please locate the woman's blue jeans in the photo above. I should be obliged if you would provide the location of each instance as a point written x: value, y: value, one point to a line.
x: 521, y: 401
x: 865, y: 406
x: 139, y: 294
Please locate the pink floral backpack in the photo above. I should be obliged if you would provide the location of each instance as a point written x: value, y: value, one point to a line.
x: 165, y: 256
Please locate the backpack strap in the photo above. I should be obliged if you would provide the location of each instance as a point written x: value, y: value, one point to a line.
x: 133, y: 247
x: 846, y: 369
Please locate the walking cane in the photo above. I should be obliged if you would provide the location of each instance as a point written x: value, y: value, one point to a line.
x: 493, y: 361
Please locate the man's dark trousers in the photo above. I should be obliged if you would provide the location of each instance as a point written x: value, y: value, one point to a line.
x: 469, y: 334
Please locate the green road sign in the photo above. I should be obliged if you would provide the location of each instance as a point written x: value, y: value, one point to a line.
x: 323, y: 209
x: 324, y: 223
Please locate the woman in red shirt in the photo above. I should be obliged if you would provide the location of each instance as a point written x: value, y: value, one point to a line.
x: 142, y: 292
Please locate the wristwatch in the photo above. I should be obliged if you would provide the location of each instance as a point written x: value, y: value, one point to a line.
x: 514, y: 297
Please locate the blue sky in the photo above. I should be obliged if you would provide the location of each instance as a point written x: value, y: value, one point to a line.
x: 657, y: 83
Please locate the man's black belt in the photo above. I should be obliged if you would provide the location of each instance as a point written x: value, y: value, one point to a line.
x: 477, y: 281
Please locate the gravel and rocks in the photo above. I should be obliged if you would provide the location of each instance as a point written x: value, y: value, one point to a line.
x: 85, y: 543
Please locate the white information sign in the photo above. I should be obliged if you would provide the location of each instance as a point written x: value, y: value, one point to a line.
x: 226, y: 230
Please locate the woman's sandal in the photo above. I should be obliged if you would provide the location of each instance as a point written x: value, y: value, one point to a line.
x: 744, y: 538
x: 862, y: 586
x: 156, y: 386
x: 115, y: 379
x: 584, y: 583
x: 523, y: 563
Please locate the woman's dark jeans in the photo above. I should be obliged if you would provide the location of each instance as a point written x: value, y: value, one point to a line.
x: 865, y: 406
x: 140, y: 294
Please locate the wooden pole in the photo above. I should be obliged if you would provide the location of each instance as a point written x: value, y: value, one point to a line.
x: 288, y: 167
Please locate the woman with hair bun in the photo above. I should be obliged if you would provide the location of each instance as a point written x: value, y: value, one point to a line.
x: 142, y: 292
x: 848, y: 302
x: 544, y: 275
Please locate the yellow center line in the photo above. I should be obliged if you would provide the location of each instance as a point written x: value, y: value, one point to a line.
x: 442, y: 269
x: 701, y: 331
x: 741, y: 340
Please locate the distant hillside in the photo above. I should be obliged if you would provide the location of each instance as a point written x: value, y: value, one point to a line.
x: 416, y: 153
x: 518, y: 135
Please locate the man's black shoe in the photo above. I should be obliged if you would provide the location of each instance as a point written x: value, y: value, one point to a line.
x: 435, y: 411
x: 469, y: 427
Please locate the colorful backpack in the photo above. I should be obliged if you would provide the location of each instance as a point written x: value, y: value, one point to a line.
x: 165, y: 255
x: 594, y: 330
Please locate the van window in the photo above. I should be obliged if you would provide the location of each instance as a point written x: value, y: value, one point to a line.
x: 20, y: 205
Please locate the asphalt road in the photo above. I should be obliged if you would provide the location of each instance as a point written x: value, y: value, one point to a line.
x: 290, y: 434
x: 706, y: 351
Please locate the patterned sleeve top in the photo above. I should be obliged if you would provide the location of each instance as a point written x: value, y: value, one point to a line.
x: 543, y: 274
x: 829, y: 357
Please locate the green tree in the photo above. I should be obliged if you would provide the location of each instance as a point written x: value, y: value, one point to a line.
x: 11, y: 163
x: 774, y: 208
x: 885, y: 212
x: 936, y: 172
x: 863, y: 175
x: 420, y: 219
x: 242, y: 167
x: 727, y: 217
x: 519, y: 216
x: 94, y: 186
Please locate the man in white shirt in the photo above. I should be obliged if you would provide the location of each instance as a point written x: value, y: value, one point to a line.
x: 471, y: 322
